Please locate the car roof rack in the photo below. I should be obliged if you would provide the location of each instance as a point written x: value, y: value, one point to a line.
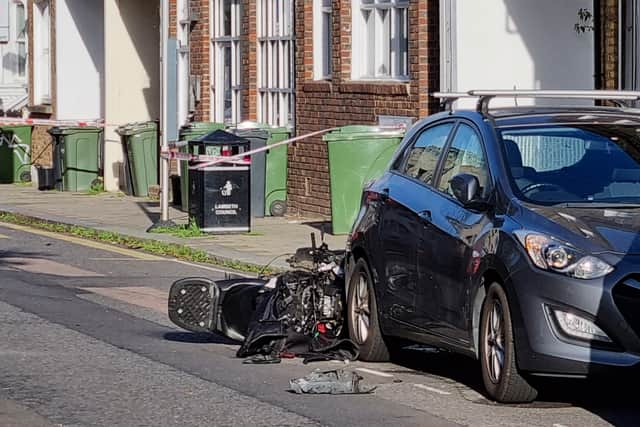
x: 485, y: 96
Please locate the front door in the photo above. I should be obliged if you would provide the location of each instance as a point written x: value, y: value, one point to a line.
x: 447, y: 241
x: 408, y: 199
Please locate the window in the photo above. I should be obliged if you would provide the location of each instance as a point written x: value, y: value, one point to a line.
x: 183, y: 26
x: 464, y: 156
x: 21, y: 40
x: 546, y: 150
x: 42, y: 49
x: 276, y: 101
x: 322, y: 43
x: 584, y: 163
x: 424, y: 154
x: 380, y: 39
x: 4, y: 21
x: 227, y: 24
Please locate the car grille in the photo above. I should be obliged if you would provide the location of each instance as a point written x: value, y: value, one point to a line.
x: 627, y: 298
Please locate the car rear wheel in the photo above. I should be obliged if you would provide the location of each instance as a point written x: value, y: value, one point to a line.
x: 500, y: 374
x: 364, y: 328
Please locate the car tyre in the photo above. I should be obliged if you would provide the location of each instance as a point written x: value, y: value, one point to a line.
x: 500, y: 374
x: 364, y: 328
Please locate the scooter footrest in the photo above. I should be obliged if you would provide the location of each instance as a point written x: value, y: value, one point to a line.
x: 193, y: 304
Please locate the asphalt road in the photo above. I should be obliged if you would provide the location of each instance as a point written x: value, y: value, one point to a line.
x: 85, y: 340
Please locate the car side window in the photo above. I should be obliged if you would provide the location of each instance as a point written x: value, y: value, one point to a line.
x: 423, y: 156
x: 464, y: 156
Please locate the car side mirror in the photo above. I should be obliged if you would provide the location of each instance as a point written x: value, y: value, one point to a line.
x: 466, y: 188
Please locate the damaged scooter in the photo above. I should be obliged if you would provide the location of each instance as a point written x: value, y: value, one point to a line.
x: 298, y: 313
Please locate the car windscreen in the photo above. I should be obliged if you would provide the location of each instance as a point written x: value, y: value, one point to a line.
x: 582, y: 164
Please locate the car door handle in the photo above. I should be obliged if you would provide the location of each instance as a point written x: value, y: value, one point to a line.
x: 425, y: 215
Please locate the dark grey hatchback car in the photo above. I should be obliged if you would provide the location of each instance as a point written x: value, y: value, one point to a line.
x: 511, y: 236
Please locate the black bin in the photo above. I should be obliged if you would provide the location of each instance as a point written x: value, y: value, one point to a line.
x: 220, y: 195
x: 46, y: 178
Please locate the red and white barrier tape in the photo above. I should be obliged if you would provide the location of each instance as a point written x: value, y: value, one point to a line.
x: 207, y: 161
x: 16, y: 121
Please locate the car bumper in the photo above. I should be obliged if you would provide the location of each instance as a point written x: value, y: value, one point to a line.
x: 541, y: 345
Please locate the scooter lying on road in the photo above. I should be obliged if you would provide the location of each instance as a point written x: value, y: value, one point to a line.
x: 299, y: 313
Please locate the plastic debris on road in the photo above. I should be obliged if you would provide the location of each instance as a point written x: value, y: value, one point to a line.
x: 330, y: 382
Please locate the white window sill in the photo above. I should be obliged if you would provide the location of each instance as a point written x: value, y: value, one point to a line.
x: 382, y: 79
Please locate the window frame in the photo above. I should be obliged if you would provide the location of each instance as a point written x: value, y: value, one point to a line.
x: 445, y: 151
x: 322, y: 44
x: 42, y: 48
x: 400, y: 163
x: 219, y: 43
x: 370, y: 47
x: 276, y: 62
x: 21, y: 42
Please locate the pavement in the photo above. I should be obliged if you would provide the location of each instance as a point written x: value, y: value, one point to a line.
x: 270, y: 238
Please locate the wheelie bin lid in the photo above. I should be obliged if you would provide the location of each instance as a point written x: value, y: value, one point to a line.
x: 251, y: 125
x: 136, y: 128
x: 13, y: 127
x: 219, y: 137
x: 196, y: 126
x: 357, y: 132
x: 59, y: 130
x: 257, y: 133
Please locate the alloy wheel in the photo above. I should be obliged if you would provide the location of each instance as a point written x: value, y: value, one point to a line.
x: 494, y: 348
x: 360, y: 309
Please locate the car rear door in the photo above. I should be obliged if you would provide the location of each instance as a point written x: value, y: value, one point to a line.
x: 407, y: 197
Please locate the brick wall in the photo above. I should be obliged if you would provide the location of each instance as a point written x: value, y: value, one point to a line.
x: 609, y: 43
x: 173, y: 18
x: 41, y: 146
x: 249, y: 61
x: 199, y: 45
x: 341, y: 101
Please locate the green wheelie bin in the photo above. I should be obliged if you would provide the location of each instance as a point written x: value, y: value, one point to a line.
x: 140, y: 146
x: 275, y: 202
x: 77, y: 156
x: 357, y: 154
x: 15, y: 154
x: 189, y: 132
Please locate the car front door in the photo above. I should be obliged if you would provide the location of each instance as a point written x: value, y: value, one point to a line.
x: 447, y: 257
x: 407, y: 197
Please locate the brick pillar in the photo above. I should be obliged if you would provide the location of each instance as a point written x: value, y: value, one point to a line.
x: 609, y: 44
x: 200, y: 46
x: 249, y: 60
x: 173, y: 18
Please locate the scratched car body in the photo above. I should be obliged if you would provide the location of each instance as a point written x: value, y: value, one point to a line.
x: 510, y: 236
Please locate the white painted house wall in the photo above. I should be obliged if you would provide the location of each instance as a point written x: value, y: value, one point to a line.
x: 80, y: 59
x: 132, y: 74
x: 13, y: 48
x: 507, y: 44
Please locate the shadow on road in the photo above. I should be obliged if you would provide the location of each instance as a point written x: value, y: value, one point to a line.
x: 196, y: 338
x: 611, y: 398
x: 10, y: 259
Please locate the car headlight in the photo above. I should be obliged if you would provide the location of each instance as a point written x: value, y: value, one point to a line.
x: 549, y: 254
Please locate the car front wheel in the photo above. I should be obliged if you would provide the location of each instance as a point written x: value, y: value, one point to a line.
x: 364, y: 328
x: 500, y: 374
